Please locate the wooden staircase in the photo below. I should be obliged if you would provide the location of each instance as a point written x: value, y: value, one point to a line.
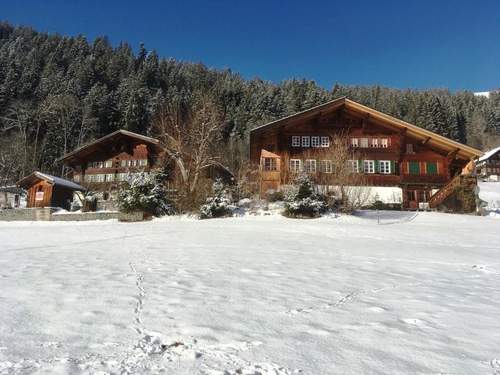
x: 446, y: 191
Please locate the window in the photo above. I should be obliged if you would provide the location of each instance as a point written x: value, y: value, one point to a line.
x: 374, y: 142
x: 310, y: 166
x: 409, y: 148
x: 369, y: 166
x: 384, y: 142
x: 123, y: 163
x: 410, y: 195
x: 325, y: 141
x: 314, y: 141
x: 364, y: 142
x: 109, y: 164
x: 109, y: 177
x: 100, y: 164
x: 384, y: 166
x: 121, y: 177
x: 414, y: 167
x: 306, y: 141
x: 295, y: 141
x: 76, y: 178
x: 143, y: 162
x: 295, y: 165
x: 325, y: 166
x: 353, y: 166
x: 270, y: 164
x: 431, y: 168
x: 354, y: 142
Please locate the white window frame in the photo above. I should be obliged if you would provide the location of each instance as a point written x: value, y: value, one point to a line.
x: 306, y: 141
x: 369, y: 166
x: 325, y: 141
x: 109, y: 177
x: 384, y: 166
x: 374, y: 143
x: 384, y: 142
x: 355, y: 142
x: 108, y: 163
x: 315, y: 141
x: 363, y: 143
x: 353, y: 166
x: 296, y: 141
x: 325, y: 166
x: 295, y: 165
x: 143, y: 162
x: 310, y: 166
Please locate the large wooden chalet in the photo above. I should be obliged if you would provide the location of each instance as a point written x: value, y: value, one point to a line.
x: 402, y: 163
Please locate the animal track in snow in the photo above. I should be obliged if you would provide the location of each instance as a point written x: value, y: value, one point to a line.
x: 495, y: 365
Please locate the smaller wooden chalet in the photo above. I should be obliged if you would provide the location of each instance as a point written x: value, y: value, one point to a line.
x: 104, y: 164
x: 488, y: 165
x: 45, y: 190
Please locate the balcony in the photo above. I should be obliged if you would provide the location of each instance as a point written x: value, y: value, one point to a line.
x: 423, y: 179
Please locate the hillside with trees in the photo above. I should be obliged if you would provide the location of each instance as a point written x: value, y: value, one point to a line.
x: 57, y: 93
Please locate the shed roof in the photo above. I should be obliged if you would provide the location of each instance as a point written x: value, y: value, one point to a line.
x: 429, y: 137
x: 36, y: 176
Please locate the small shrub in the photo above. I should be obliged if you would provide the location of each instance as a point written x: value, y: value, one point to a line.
x: 275, y: 196
x: 145, y: 192
x: 302, y: 201
x: 219, y: 204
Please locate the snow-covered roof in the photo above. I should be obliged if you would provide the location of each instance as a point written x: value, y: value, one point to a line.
x: 58, y: 181
x: 489, y: 154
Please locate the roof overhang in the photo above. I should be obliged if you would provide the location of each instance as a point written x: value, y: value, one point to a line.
x: 36, y: 177
x: 425, y: 136
x: 104, y: 142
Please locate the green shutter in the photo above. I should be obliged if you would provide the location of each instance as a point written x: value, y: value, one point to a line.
x: 393, y: 167
x: 360, y: 166
x: 376, y: 166
x: 432, y: 168
x: 414, y: 167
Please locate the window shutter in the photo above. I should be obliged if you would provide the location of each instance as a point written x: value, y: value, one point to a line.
x: 360, y: 166
x: 376, y: 170
x: 393, y: 167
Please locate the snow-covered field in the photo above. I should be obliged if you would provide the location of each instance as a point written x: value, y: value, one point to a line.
x: 253, y: 295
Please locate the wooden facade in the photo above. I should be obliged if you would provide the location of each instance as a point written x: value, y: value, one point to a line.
x: 48, y: 191
x: 104, y: 163
x: 389, y: 152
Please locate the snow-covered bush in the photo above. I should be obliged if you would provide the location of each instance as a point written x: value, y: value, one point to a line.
x: 302, y: 201
x: 145, y: 192
x: 219, y: 204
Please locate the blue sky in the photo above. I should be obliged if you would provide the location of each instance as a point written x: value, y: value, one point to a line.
x: 415, y: 44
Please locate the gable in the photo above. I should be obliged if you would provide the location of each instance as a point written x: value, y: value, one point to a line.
x: 355, y: 113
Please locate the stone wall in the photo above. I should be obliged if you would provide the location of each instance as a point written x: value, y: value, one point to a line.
x: 85, y: 216
x: 27, y: 214
x: 49, y: 214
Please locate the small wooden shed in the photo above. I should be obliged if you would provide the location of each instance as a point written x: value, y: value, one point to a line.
x: 45, y: 190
